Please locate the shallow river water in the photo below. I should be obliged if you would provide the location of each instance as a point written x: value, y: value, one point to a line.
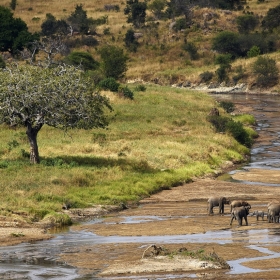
x: 41, y: 260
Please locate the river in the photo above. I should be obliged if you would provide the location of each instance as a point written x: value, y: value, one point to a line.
x: 42, y: 260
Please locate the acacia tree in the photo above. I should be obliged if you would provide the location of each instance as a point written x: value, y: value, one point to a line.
x: 60, y: 97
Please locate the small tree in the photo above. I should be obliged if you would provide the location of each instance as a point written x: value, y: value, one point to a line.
x: 59, y: 97
x: 136, y: 12
x: 227, y: 42
x: 246, y: 23
x: 79, y: 20
x: 254, y: 51
x: 83, y: 59
x: 157, y: 7
x: 266, y: 71
x: 272, y: 19
x: 130, y: 41
x: 224, y: 60
x: 52, y: 26
x: 14, y: 33
x: 13, y: 4
x: 114, y: 62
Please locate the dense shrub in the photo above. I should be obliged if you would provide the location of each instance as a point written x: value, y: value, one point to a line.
x: 191, y: 49
x: 254, y: 51
x: 83, y: 59
x: 206, y: 76
x: 227, y: 105
x: 130, y: 41
x: 126, y: 92
x: 246, y: 23
x: 266, y: 71
x: 237, y: 130
x: 2, y: 62
x: 114, y: 61
x: 109, y: 84
x: 272, y: 19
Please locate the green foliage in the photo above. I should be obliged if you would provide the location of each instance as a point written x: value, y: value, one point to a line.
x: 130, y: 41
x: 140, y: 88
x: 109, y: 84
x: 13, y: 4
x: 126, y: 92
x: 83, y: 59
x: 157, y: 7
x: 136, y: 12
x: 266, y: 71
x: 239, y: 74
x: 180, y: 24
x: 272, y: 19
x: 79, y: 20
x: 61, y: 96
x: 237, y: 130
x: 53, y: 26
x: 14, y: 33
x: 228, y: 106
x: 206, y: 76
x: 191, y: 49
x: 114, y: 61
x: 254, y: 51
x: 219, y: 122
x: 2, y: 63
x: 227, y: 42
x: 246, y: 23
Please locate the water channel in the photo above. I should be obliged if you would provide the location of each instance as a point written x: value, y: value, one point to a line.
x: 40, y: 260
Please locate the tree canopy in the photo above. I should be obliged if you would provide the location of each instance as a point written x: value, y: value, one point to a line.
x: 14, y: 33
x: 60, y: 97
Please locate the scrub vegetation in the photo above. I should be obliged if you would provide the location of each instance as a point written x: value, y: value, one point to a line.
x: 157, y: 136
x: 160, y: 139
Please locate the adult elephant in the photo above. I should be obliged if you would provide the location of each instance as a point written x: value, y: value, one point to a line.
x: 273, y: 212
x: 215, y: 201
x: 239, y: 203
x: 240, y: 213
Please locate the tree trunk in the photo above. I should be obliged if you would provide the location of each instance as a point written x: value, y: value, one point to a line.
x: 34, y: 151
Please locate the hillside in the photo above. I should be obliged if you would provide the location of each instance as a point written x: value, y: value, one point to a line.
x: 160, y: 57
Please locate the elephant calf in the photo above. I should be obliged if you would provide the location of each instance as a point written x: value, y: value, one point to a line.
x: 238, y: 203
x: 217, y: 201
x: 258, y: 214
x: 240, y: 213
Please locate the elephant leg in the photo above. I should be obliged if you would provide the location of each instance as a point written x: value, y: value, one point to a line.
x: 239, y: 221
x: 246, y: 221
x: 232, y: 217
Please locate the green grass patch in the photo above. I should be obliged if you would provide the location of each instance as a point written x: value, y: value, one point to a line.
x: 158, y: 140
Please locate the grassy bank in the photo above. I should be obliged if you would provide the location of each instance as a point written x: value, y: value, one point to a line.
x: 157, y: 140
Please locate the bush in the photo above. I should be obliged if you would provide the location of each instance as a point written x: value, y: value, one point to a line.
x: 246, y: 23
x: 266, y: 71
x: 254, y: 51
x: 227, y: 42
x: 109, y: 84
x: 219, y: 122
x: 228, y: 106
x: 84, y: 59
x: 114, y: 61
x: 126, y: 92
x: 2, y: 62
x: 130, y: 41
x: 237, y: 130
x: 192, y: 50
x: 206, y: 76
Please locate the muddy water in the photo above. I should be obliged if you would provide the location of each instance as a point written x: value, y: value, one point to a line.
x: 42, y: 260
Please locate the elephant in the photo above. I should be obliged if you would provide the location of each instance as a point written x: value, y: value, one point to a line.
x: 273, y: 212
x: 217, y: 201
x: 258, y: 214
x: 240, y: 213
x: 239, y: 203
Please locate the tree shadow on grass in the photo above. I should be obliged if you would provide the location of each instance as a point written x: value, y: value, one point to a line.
x: 98, y: 162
